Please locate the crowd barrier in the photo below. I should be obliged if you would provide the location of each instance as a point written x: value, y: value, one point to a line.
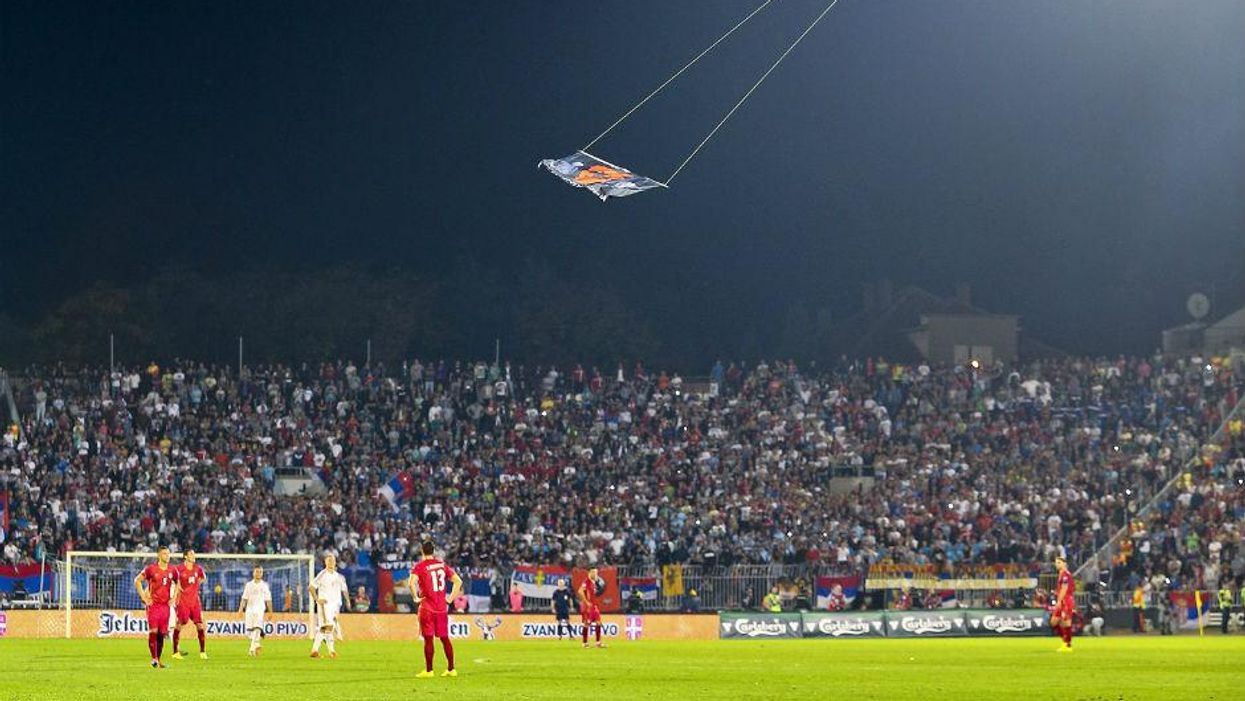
x: 936, y: 623
x: 106, y: 623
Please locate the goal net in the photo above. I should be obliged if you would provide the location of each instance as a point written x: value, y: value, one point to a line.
x: 98, y: 595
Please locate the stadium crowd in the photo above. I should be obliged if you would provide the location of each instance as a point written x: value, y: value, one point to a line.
x: 509, y: 464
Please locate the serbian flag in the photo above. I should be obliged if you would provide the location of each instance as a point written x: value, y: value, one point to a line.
x: 598, y: 176
x: 400, y: 488
x: 849, y: 586
x: 4, y: 516
x: 647, y: 586
x: 1195, y: 607
x: 539, y: 582
x: 34, y: 578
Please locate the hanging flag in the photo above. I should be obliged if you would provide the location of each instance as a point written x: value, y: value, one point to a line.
x: 478, y: 594
x: 603, y: 178
x: 672, y: 580
x: 840, y: 591
x: 647, y: 586
x: 539, y: 582
x: 4, y: 516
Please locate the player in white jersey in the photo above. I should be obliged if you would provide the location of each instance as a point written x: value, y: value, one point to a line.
x: 256, y: 603
x: 328, y: 590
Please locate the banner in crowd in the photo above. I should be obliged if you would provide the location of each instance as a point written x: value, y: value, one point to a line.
x: 392, y: 594
x: 863, y: 624
x: 672, y: 580
x: 610, y: 598
x: 479, y: 592
x: 4, y: 516
x: 399, y: 488
x: 34, y: 578
x: 842, y: 590
x: 925, y: 624
x: 759, y: 625
x: 978, y: 577
x: 647, y: 586
x: 1007, y: 622
x: 539, y: 581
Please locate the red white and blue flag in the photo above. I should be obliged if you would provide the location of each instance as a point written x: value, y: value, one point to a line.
x: 400, y: 488
x: 829, y: 587
x: 647, y: 586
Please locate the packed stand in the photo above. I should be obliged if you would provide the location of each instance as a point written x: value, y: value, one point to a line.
x: 511, y: 464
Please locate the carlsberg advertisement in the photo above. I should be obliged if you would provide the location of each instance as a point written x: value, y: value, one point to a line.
x: 933, y: 623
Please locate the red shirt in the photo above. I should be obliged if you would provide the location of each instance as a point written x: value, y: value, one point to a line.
x: 1066, y: 585
x: 591, y: 592
x: 159, y: 582
x: 188, y: 580
x: 433, y: 578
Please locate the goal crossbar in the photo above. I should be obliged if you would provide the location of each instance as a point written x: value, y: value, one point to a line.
x: 79, y: 555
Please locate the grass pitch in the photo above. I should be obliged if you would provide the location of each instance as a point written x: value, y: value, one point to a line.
x: 1107, y: 669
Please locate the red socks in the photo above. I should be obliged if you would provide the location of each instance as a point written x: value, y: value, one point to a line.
x: 429, y: 650
x: 598, y: 632
x: 586, y: 627
x: 1065, y: 632
x: 177, y: 639
x: 151, y: 645
x: 159, y: 644
x: 449, y: 652
x: 202, y: 641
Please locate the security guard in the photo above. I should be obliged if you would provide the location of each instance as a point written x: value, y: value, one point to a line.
x: 1225, y: 607
x: 773, y: 602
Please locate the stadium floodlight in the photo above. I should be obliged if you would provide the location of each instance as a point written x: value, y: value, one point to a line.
x: 91, y: 580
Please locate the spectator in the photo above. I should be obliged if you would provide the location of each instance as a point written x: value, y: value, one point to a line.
x: 362, y: 602
x: 516, y: 599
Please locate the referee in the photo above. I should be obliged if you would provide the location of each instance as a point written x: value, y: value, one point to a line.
x: 561, y: 608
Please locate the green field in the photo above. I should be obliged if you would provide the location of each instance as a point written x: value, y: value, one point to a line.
x: 1110, y: 669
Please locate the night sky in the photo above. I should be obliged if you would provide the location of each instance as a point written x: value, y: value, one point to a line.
x: 1081, y: 163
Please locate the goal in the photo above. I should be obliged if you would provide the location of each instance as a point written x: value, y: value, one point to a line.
x: 97, y: 588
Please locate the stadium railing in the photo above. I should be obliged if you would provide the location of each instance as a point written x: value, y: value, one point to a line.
x: 1107, y: 552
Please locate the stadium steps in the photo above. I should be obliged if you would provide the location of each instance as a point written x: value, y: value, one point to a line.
x: 1108, y: 550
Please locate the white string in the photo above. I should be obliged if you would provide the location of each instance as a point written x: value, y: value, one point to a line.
x: 677, y: 73
x: 751, y: 90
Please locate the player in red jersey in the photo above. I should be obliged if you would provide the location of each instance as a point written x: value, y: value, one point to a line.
x: 590, y: 604
x: 428, y: 578
x: 1065, y: 604
x: 161, y: 588
x: 189, y: 609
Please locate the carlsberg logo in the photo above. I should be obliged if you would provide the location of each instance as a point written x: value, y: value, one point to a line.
x: 836, y: 628
x: 926, y: 625
x: 1006, y: 624
x: 750, y: 628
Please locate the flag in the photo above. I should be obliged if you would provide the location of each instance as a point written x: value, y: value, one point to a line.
x: 608, y: 597
x: 647, y: 586
x: 634, y: 627
x: 539, y: 582
x: 672, y: 580
x: 1197, y: 599
x: 478, y: 594
x: 401, y: 487
x: 602, y: 178
x: 34, y: 578
x: 4, y: 516
x: 825, y: 590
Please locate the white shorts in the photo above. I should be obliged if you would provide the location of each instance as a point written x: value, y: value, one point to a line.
x: 254, y: 619
x: 328, y: 614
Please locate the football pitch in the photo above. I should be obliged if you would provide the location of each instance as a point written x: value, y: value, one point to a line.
x: 1107, y: 669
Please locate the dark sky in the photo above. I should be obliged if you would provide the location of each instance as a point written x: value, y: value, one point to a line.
x: 1081, y: 163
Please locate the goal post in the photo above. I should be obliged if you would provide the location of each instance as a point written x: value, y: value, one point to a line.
x: 104, y: 581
